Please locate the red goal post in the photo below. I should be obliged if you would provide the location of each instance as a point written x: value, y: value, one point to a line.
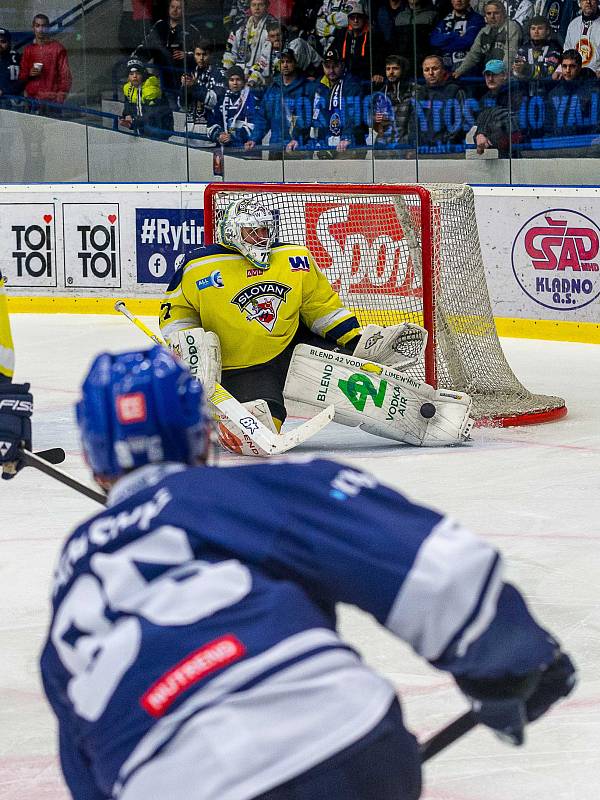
x: 409, y: 253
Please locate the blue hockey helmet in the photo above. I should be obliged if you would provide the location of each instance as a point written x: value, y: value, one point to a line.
x: 139, y: 408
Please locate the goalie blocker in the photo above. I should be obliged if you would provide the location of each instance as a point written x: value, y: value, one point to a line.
x: 378, y: 399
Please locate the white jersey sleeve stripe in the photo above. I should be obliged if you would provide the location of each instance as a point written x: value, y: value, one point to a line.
x: 322, y: 324
x: 449, y: 581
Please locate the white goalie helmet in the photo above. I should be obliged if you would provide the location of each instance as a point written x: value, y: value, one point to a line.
x: 250, y: 228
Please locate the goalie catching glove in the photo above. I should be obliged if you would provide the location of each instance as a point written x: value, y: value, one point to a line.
x: 399, y: 346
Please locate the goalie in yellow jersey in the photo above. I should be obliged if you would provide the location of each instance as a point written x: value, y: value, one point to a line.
x: 260, y: 317
x: 7, y: 354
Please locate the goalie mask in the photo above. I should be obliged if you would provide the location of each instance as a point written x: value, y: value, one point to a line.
x: 250, y: 228
x: 139, y: 408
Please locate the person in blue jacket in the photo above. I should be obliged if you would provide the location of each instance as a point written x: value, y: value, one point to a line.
x: 10, y: 85
x: 231, y: 122
x: 193, y: 650
x: 339, y: 105
x: 285, y: 109
x: 453, y: 36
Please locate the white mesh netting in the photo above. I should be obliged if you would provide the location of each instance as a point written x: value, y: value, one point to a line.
x: 373, y: 247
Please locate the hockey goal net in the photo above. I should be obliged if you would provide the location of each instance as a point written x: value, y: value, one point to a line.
x: 398, y: 253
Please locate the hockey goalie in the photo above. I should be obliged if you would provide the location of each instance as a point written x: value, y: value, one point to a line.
x: 259, y: 317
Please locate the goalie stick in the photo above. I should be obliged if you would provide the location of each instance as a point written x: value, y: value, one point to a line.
x: 261, y: 440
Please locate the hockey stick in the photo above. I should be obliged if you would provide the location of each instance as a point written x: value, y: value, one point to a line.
x: 34, y: 460
x: 447, y: 736
x: 55, y: 455
x: 257, y: 435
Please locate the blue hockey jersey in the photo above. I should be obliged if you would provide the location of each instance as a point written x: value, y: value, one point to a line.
x: 193, y: 649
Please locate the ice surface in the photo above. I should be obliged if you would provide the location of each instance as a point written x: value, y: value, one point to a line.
x: 533, y: 492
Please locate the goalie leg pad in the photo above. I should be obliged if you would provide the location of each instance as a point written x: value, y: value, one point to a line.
x: 377, y: 399
x: 234, y: 438
x: 201, y: 351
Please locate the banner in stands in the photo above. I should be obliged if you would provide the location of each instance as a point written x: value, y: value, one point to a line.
x: 540, y: 245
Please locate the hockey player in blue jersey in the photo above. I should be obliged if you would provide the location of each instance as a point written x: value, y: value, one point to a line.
x: 193, y: 650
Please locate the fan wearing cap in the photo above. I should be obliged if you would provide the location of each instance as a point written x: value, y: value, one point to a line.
x: 538, y: 58
x: 361, y: 49
x: 279, y: 38
x: 145, y: 111
x: 497, y: 124
x: 338, y: 101
x: 231, y: 122
x: 9, y: 68
x: 285, y: 109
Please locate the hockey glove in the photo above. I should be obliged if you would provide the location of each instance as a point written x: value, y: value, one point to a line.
x: 500, y: 704
x: 16, y: 407
x: 556, y: 681
x: 508, y: 705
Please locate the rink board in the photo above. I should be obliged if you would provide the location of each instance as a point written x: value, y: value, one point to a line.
x: 78, y: 248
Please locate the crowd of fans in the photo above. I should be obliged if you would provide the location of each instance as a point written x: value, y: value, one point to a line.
x: 338, y: 76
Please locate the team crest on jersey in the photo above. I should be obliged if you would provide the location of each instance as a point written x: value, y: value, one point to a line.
x: 260, y: 302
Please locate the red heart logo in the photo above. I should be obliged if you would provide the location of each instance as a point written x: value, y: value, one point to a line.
x: 112, y: 218
x: 47, y: 218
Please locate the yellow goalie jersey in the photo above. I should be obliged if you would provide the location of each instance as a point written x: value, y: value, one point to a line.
x: 7, y: 355
x: 255, y: 312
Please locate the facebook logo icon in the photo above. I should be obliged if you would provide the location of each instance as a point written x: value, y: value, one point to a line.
x: 165, y: 239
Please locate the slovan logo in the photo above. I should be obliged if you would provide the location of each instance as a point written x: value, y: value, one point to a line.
x: 555, y: 259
